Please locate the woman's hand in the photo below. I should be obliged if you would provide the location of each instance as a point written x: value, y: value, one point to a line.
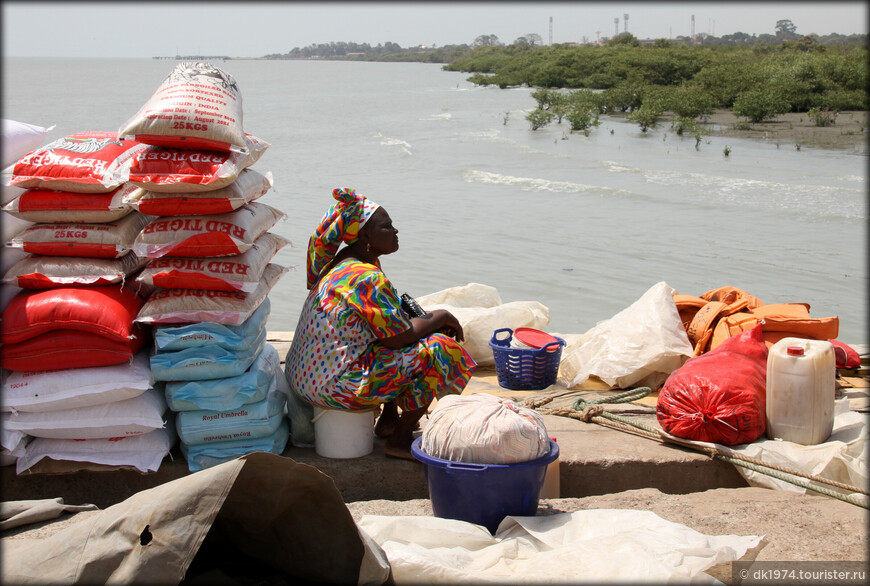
x: 452, y: 327
x: 438, y: 320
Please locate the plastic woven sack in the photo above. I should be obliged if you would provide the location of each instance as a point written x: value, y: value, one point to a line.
x: 484, y: 429
x: 640, y: 345
x: 719, y: 396
x: 224, y: 394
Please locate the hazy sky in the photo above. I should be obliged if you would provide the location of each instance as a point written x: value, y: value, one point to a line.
x: 252, y: 29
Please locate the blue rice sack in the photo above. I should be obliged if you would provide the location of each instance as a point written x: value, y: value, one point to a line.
x: 224, y: 394
x: 174, y: 338
x: 201, y: 456
x: 204, y: 362
x: 247, y: 422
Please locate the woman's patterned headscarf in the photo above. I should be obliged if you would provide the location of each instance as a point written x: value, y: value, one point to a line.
x: 342, y: 223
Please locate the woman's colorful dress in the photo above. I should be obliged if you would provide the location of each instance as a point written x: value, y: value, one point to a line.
x: 336, y: 362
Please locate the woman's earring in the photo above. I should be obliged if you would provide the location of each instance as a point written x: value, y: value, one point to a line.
x: 368, y: 247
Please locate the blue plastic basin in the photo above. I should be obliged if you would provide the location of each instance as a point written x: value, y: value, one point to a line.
x: 484, y: 494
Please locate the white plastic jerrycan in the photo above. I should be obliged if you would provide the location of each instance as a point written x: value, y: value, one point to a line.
x: 801, y: 380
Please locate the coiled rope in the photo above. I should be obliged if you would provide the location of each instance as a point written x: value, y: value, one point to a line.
x: 593, y: 411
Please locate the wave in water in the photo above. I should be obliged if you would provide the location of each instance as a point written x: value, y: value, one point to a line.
x: 446, y: 116
x: 537, y: 184
x: 814, y: 199
x: 387, y: 141
x: 817, y: 200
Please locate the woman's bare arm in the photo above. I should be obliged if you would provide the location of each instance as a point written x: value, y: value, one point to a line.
x: 433, y: 321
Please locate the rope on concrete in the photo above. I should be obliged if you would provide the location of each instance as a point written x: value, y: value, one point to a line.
x: 592, y: 411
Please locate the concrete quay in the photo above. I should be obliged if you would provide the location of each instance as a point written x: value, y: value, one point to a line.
x: 594, y: 459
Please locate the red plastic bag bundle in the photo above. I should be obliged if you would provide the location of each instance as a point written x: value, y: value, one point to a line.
x: 719, y: 396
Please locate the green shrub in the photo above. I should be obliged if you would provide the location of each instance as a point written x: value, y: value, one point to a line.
x: 582, y: 115
x: 760, y: 104
x: 539, y: 118
x: 822, y: 116
x: 647, y: 116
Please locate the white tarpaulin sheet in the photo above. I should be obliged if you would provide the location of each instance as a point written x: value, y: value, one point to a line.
x: 599, y: 545
x: 842, y: 458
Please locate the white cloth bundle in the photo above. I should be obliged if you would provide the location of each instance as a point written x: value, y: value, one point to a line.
x: 484, y: 429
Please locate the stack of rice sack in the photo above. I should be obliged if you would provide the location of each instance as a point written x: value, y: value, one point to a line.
x: 19, y: 138
x: 71, y: 328
x: 209, y: 249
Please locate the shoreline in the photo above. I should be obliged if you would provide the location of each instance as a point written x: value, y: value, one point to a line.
x: 848, y: 133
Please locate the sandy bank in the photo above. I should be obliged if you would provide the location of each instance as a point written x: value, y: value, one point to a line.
x: 848, y: 133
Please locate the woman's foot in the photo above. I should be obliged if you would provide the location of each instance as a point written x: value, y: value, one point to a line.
x: 387, y: 422
x: 398, y: 444
x: 399, y: 452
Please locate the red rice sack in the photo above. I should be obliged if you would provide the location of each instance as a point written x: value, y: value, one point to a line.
x: 47, y: 206
x: 185, y: 306
x: 62, y: 349
x: 166, y: 170
x: 109, y: 240
x: 249, y: 186
x: 241, y: 272
x: 106, y: 311
x: 719, y: 396
x: 206, y: 235
x: 84, y: 162
x: 198, y: 106
x: 44, y: 272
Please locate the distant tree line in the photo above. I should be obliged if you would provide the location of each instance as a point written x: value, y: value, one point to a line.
x: 388, y: 51
x: 757, y: 77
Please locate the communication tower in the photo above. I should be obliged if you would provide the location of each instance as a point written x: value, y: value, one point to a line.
x: 625, y: 26
x: 693, y: 28
x: 551, y: 30
x: 615, y: 26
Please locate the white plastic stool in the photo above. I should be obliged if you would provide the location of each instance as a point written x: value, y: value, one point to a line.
x: 342, y: 434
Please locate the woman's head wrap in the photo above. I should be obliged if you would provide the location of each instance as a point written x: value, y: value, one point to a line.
x: 342, y: 223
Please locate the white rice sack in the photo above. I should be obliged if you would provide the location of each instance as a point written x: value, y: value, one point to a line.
x: 66, y: 207
x: 484, y: 429
x: 104, y: 240
x: 198, y: 106
x: 12, y: 441
x: 144, y: 452
x: 185, y: 306
x: 19, y: 138
x: 141, y: 414
x: 72, y: 388
x: 239, y: 272
x: 206, y: 235
x: 36, y: 271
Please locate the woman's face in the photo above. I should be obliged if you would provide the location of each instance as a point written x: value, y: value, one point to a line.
x: 382, y: 237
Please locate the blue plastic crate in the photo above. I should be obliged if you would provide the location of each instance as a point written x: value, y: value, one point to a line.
x: 522, y: 370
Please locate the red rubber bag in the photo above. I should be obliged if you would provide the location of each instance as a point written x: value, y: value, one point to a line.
x: 718, y: 397
x: 61, y: 349
x: 105, y: 310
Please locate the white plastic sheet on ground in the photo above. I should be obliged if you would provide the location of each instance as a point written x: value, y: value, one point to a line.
x: 641, y: 345
x: 842, y: 458
x: 599, y: 545
x: 480, y: 311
